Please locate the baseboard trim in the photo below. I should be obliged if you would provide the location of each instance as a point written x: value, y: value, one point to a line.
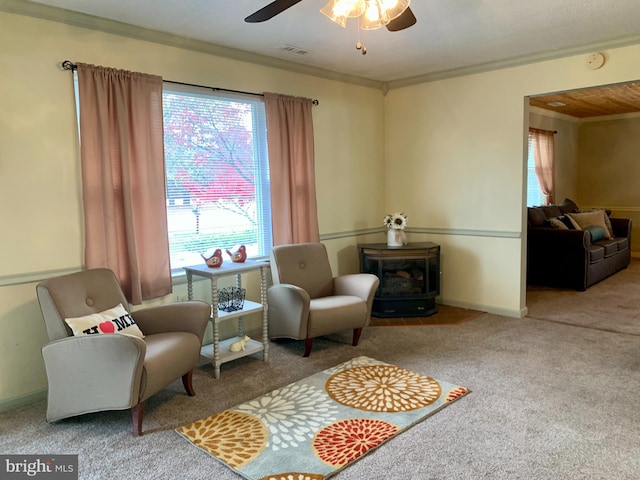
x: 503, y: 312
x: 22, y: 400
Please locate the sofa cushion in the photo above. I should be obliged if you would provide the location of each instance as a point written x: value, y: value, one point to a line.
x: 623, y: 243
x: 596, y: 253
x: 551, y: 211
x: 595, y: 217
x: 610, y: 247
x: 616, y: 244
x: 536, y: 217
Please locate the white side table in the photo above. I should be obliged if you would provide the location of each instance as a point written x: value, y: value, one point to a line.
x: 219, y: 351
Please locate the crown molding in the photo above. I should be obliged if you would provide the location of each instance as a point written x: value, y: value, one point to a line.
x: 77, y: 19
x: 514, y: 62
x: 92, y: 22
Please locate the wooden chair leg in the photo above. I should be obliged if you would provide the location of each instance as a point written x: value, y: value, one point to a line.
x: 137, y: 412
x: 308, y: 343
x: 356, y: 336
x: 187, y: 381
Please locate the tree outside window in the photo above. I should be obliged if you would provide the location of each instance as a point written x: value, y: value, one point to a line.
x: 216, y: 173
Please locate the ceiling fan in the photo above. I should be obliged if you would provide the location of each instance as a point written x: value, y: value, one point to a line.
x: 404, y: 20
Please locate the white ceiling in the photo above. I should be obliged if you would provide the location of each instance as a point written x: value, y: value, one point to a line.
x: 449, y: 34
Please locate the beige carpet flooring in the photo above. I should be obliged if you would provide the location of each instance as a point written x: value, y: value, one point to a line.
x: 612, y: 305
x: 549, y: 400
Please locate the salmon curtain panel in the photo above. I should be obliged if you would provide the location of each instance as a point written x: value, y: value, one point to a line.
x: 123, y: 178
x: 544, y: 159
x: 294, y: 210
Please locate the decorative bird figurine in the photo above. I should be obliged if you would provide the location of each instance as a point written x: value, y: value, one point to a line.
x: 239, y: 256
x: 214, y: 260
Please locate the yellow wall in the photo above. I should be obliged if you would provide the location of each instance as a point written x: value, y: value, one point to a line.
x: 450, y: 153
x: 609, y: 170
x: 455, y: 163
x: 40, y: 188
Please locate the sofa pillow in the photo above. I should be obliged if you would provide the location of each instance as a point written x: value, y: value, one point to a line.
x: 536, y: 217
x: 567, y: 223
x: 607, y: 214
x: 551, y: 211
x: 574, y: 225
x: 568, y: 206
x: 558, y: 223
x: 597, y: 232
x: 113, y: 320
x: 592, y: 218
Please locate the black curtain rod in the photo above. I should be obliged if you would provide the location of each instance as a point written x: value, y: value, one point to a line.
x: 68, y: 65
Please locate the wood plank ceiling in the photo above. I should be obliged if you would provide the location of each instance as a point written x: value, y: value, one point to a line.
x: 593, y: 102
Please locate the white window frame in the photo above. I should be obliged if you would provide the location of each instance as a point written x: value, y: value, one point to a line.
x: 262, y: 213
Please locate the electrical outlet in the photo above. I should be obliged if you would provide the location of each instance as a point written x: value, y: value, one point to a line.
x: 181, y: 298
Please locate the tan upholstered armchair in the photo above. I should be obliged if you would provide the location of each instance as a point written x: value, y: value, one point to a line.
x: 94, y: 372
x: 306, y: 301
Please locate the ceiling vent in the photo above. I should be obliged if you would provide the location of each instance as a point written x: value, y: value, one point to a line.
x: 556, y: 104
x: 293, y: 49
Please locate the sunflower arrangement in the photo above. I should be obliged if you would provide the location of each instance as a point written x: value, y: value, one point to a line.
x: 395, y: 221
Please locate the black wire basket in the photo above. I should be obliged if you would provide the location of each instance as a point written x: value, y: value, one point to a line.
x: 231, y: 299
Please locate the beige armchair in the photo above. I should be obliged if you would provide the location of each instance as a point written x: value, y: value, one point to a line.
x: 306, y: 301
x: 91, y: 373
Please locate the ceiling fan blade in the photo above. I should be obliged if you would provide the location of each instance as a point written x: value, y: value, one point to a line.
x: 405, y: 20
x: 271, y: 10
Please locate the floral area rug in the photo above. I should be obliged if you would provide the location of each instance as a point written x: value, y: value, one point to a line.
x: 313, y: 428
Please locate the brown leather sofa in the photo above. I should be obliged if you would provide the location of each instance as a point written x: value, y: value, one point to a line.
x: 572, y: 257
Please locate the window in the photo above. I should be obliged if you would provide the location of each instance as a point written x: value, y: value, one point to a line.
x: 216, y: 172
x: 535, y: 196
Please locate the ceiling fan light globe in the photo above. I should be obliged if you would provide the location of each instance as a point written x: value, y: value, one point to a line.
x: 395, y: 8
x: 351, y: 8
x: 375, y: 16
x: 340, y: 10
x: 329, y: 12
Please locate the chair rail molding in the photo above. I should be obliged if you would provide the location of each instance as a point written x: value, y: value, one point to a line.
x: 34, y: 277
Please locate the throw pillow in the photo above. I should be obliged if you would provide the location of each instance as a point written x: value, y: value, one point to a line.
x: 574, y: 224
x: 597, y: 233
x: 606, y: 217
x: 592, y: 218
x: 557, y: 223
x: 536, y: 217
x: 551, y: 211
x: 113, y: 320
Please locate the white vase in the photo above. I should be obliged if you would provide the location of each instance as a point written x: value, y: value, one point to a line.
x: 396, y: 238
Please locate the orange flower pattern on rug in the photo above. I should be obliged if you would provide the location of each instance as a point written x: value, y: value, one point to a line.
x: 342, y: 442
x: 310, y: 428
x: 383, y: 388
x: 234, y: 437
